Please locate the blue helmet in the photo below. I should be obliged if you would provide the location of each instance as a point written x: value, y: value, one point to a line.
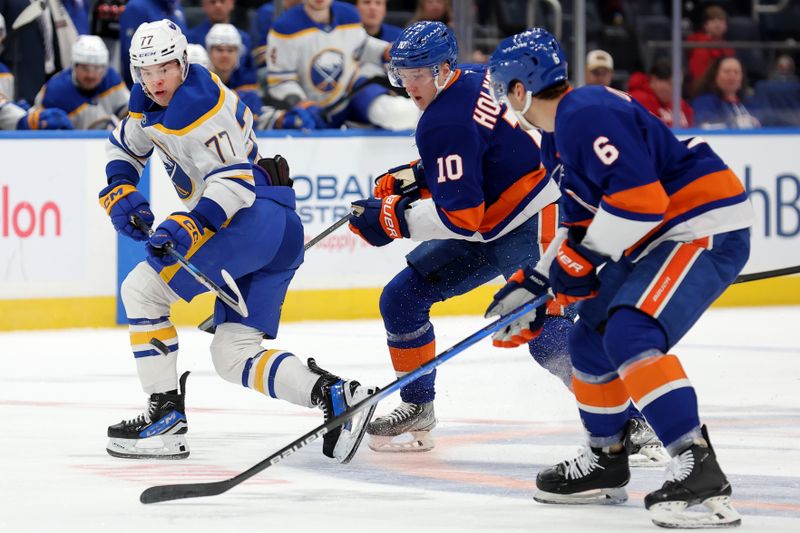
x: 423, y: 44
x: 532, y: 57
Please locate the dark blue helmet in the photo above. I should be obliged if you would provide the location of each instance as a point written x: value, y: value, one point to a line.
x: 532, y: 57
x: 423, y: 44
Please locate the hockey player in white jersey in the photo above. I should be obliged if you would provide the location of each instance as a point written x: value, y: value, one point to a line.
x: 316, y: 56
x: 238, y: 217
x: 90, y: 91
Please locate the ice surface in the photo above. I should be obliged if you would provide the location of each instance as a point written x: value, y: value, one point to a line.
x: 502, y: 418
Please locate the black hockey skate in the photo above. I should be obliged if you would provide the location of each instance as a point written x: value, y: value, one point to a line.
x: 416, y: 420
x: 693, y: 477
x: 334, y: 395
x: 594, y: 476
x: 643, y: 446
x: 158, y: 433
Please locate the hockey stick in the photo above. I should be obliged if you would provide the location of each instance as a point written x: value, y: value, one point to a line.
x: 207, y: 325
x: 162, y: 493
x: 237, y: 305
x: 755, y: 276
x: 344, y: 100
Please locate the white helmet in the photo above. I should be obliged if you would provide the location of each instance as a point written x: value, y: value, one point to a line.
x: 224, y: 35
x: 89, y: 50
x: 197, y: 54
x: 155, y: 43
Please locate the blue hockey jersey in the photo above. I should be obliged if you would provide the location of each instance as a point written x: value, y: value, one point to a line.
x: 86, y: 108
x: 483, y: 170
x: 633, y: 183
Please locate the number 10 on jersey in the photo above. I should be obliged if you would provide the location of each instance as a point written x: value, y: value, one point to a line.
x: 450, y: 168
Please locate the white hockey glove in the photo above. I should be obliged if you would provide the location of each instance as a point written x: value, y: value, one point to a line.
x: 525, y: 285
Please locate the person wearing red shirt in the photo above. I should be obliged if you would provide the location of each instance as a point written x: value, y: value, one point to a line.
x: 654, y: 92
x: 715, y: 25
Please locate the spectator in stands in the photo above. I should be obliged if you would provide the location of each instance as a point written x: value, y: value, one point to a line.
x: 777, y: 99
x: 599, y: 68
x: 721, y: 99
x: 434, y: 10
x: 258, y: 33
x: 654, y: 92
x: 91, y: 93
x: 139, y: 11
x: 715, y: 25
x: 372, y: 14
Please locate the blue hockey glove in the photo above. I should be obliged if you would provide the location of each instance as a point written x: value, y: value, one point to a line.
x: 525, y: 285
x: 314, y: 113
x: 299, y: 118
x: 405, y: 180
x: 181, y: 231
x: 573, y: 274
x: 45, y: 119
x: 122, y: 200
x: 382, y: 220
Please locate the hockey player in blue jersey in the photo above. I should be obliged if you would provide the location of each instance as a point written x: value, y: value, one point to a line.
x: 238, y: 217
x: 654, y: 229
x: 487, y: 198
x: 90, y: 91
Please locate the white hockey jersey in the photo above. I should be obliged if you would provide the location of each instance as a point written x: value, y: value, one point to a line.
x: 319, y: 62
x: 205, y: 139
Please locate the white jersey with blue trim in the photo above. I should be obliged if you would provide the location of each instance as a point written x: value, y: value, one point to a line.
x: 10, y: 113
x: 204, y: 137
x: 86, y: 109
x: 6, y: 82
x: 315, y: 61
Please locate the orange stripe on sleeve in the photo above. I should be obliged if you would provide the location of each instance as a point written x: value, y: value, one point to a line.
x: 648, y: 199
x: 548, y: 224
x: 601, y: 395
x: 409, y: 359
x: 643, y: 377
x: 510, y: 199
x: 469, y: 218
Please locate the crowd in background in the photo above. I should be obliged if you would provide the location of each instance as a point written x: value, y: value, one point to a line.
x: 64, y: 63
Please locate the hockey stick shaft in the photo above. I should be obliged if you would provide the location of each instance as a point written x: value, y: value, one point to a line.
x: 164, y: 493
x: 207, y: 325
x: 755, y: 276
x: 237, y: 304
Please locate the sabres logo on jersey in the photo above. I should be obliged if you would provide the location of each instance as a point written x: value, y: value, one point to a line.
x: 180, y: 180
x: 327, y: 67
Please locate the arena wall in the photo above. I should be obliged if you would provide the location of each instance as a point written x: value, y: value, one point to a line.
x: 61, y: 262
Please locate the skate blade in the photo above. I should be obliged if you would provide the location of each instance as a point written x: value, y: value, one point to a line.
x: 414, y: 441
x: 353, y: 431
x: 592, y: 497
x: 159, y: 447
x: 674, y: 514
x: 649, y: 457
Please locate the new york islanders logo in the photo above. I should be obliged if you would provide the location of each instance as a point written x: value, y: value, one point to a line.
x: 327, y: 67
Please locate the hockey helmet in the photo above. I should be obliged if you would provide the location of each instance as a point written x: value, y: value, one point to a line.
x: 224, y: 35
x: 155, y: 43
x: 197, y: 54
x: 533, y: 57
x: 423, y: 44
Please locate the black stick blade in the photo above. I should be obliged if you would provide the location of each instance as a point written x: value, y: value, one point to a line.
x: 165, y: 493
